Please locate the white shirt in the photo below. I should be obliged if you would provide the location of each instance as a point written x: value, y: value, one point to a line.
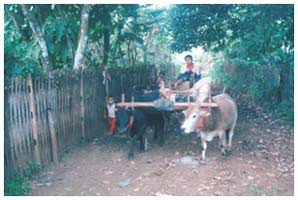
x: 111, y: 110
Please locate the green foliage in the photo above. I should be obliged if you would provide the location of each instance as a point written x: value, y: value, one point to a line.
x: 32, y: 169
x: 199, y: 25
x: 18, y: 185
x: 252, y: 47
x: 20, y: 57
x: 215, y: 26
x: 128, y: 27
x: 257, y: 190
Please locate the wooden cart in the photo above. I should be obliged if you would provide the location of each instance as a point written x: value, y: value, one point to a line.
x: 177, y: 105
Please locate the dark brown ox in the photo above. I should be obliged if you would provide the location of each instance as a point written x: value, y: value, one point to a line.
x: 209, y: 123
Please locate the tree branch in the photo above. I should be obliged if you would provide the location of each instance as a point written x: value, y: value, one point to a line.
x: 83, y: 37
x: 39, y: 35
x: 15, y: 21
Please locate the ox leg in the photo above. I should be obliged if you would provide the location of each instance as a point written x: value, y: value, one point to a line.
x: 154, y: 129
x: 142, y: 144
x: 161, y: 128
x: 132, y: 147
x: 222, y: 139
x: 231, y: 133
x: 134, y: 140
x: 204, y: 148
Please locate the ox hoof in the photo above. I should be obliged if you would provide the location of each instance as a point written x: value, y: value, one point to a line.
x: 144, y: 145
x: 203, y: 161
x: 223, y: 153
x: 228, y: 152
x: 161, y: 143
x: 131, y: 156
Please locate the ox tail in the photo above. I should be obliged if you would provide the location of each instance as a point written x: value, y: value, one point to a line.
x: 236, y: 118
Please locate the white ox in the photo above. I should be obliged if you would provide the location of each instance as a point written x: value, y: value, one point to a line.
x: 201, y: 91
x: 209, y: 123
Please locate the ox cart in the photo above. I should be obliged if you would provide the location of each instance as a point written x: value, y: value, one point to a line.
x: 176, y: 107
x: 163, y: 110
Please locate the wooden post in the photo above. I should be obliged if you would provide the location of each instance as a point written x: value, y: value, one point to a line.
x: 177, y: 105
x: 53, y: 136
x: 82, y: 105
x: 8, y: 163
x: 132, y: 100
x: 33, y: 119
x: 188, y: 98
x: 106, y: 81
x: 123, y: 98
x: 210, y: 101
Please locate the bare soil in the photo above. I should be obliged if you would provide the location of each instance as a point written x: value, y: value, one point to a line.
x: 261, y: 163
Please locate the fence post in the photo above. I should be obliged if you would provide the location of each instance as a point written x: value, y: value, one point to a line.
x: 33, y: 119
x: 53, y: 136
x: 8, y: 165
x: 82, y: 104
x: 123, y: 97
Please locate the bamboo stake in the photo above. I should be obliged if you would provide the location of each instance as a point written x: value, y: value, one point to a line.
x: 53, y: 136
x: 33, y: 119
x: 82, y: 104
x: 188, y: 98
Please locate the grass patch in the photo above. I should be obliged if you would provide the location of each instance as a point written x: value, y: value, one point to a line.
x: 256, y: 190
x: 18, y: 185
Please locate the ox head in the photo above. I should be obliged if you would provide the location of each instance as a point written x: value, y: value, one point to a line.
x: 194, y: 117
x: 124, y: 120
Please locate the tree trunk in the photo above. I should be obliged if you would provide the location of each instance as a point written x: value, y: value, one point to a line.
x: 68, y: 39
x: 128, y: 54
x: 145, y: 55
x: 121, y: 56
x: 147, y: 41
x: 39, y: 35
x: 134, y: 53
x: 106, y: 45
x: 78, y: 61
x: 70, y: 47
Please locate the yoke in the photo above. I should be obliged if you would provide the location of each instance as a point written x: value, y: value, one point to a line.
x: 176, y: 105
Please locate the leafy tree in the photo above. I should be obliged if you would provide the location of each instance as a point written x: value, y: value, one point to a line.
x: 39, y: 35
x: 252, y: 47
x: 118, y: 35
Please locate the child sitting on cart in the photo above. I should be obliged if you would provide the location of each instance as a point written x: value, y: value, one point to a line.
x: 159, y: 81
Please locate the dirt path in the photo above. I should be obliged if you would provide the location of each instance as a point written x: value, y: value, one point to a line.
x: 262, y: 163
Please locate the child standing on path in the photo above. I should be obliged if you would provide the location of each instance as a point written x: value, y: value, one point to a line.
x: 110, y: 113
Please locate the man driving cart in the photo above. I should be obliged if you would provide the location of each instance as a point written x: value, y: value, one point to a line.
x: 189, y: 74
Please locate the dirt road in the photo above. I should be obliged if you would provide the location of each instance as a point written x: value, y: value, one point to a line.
x: 262, y: 163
